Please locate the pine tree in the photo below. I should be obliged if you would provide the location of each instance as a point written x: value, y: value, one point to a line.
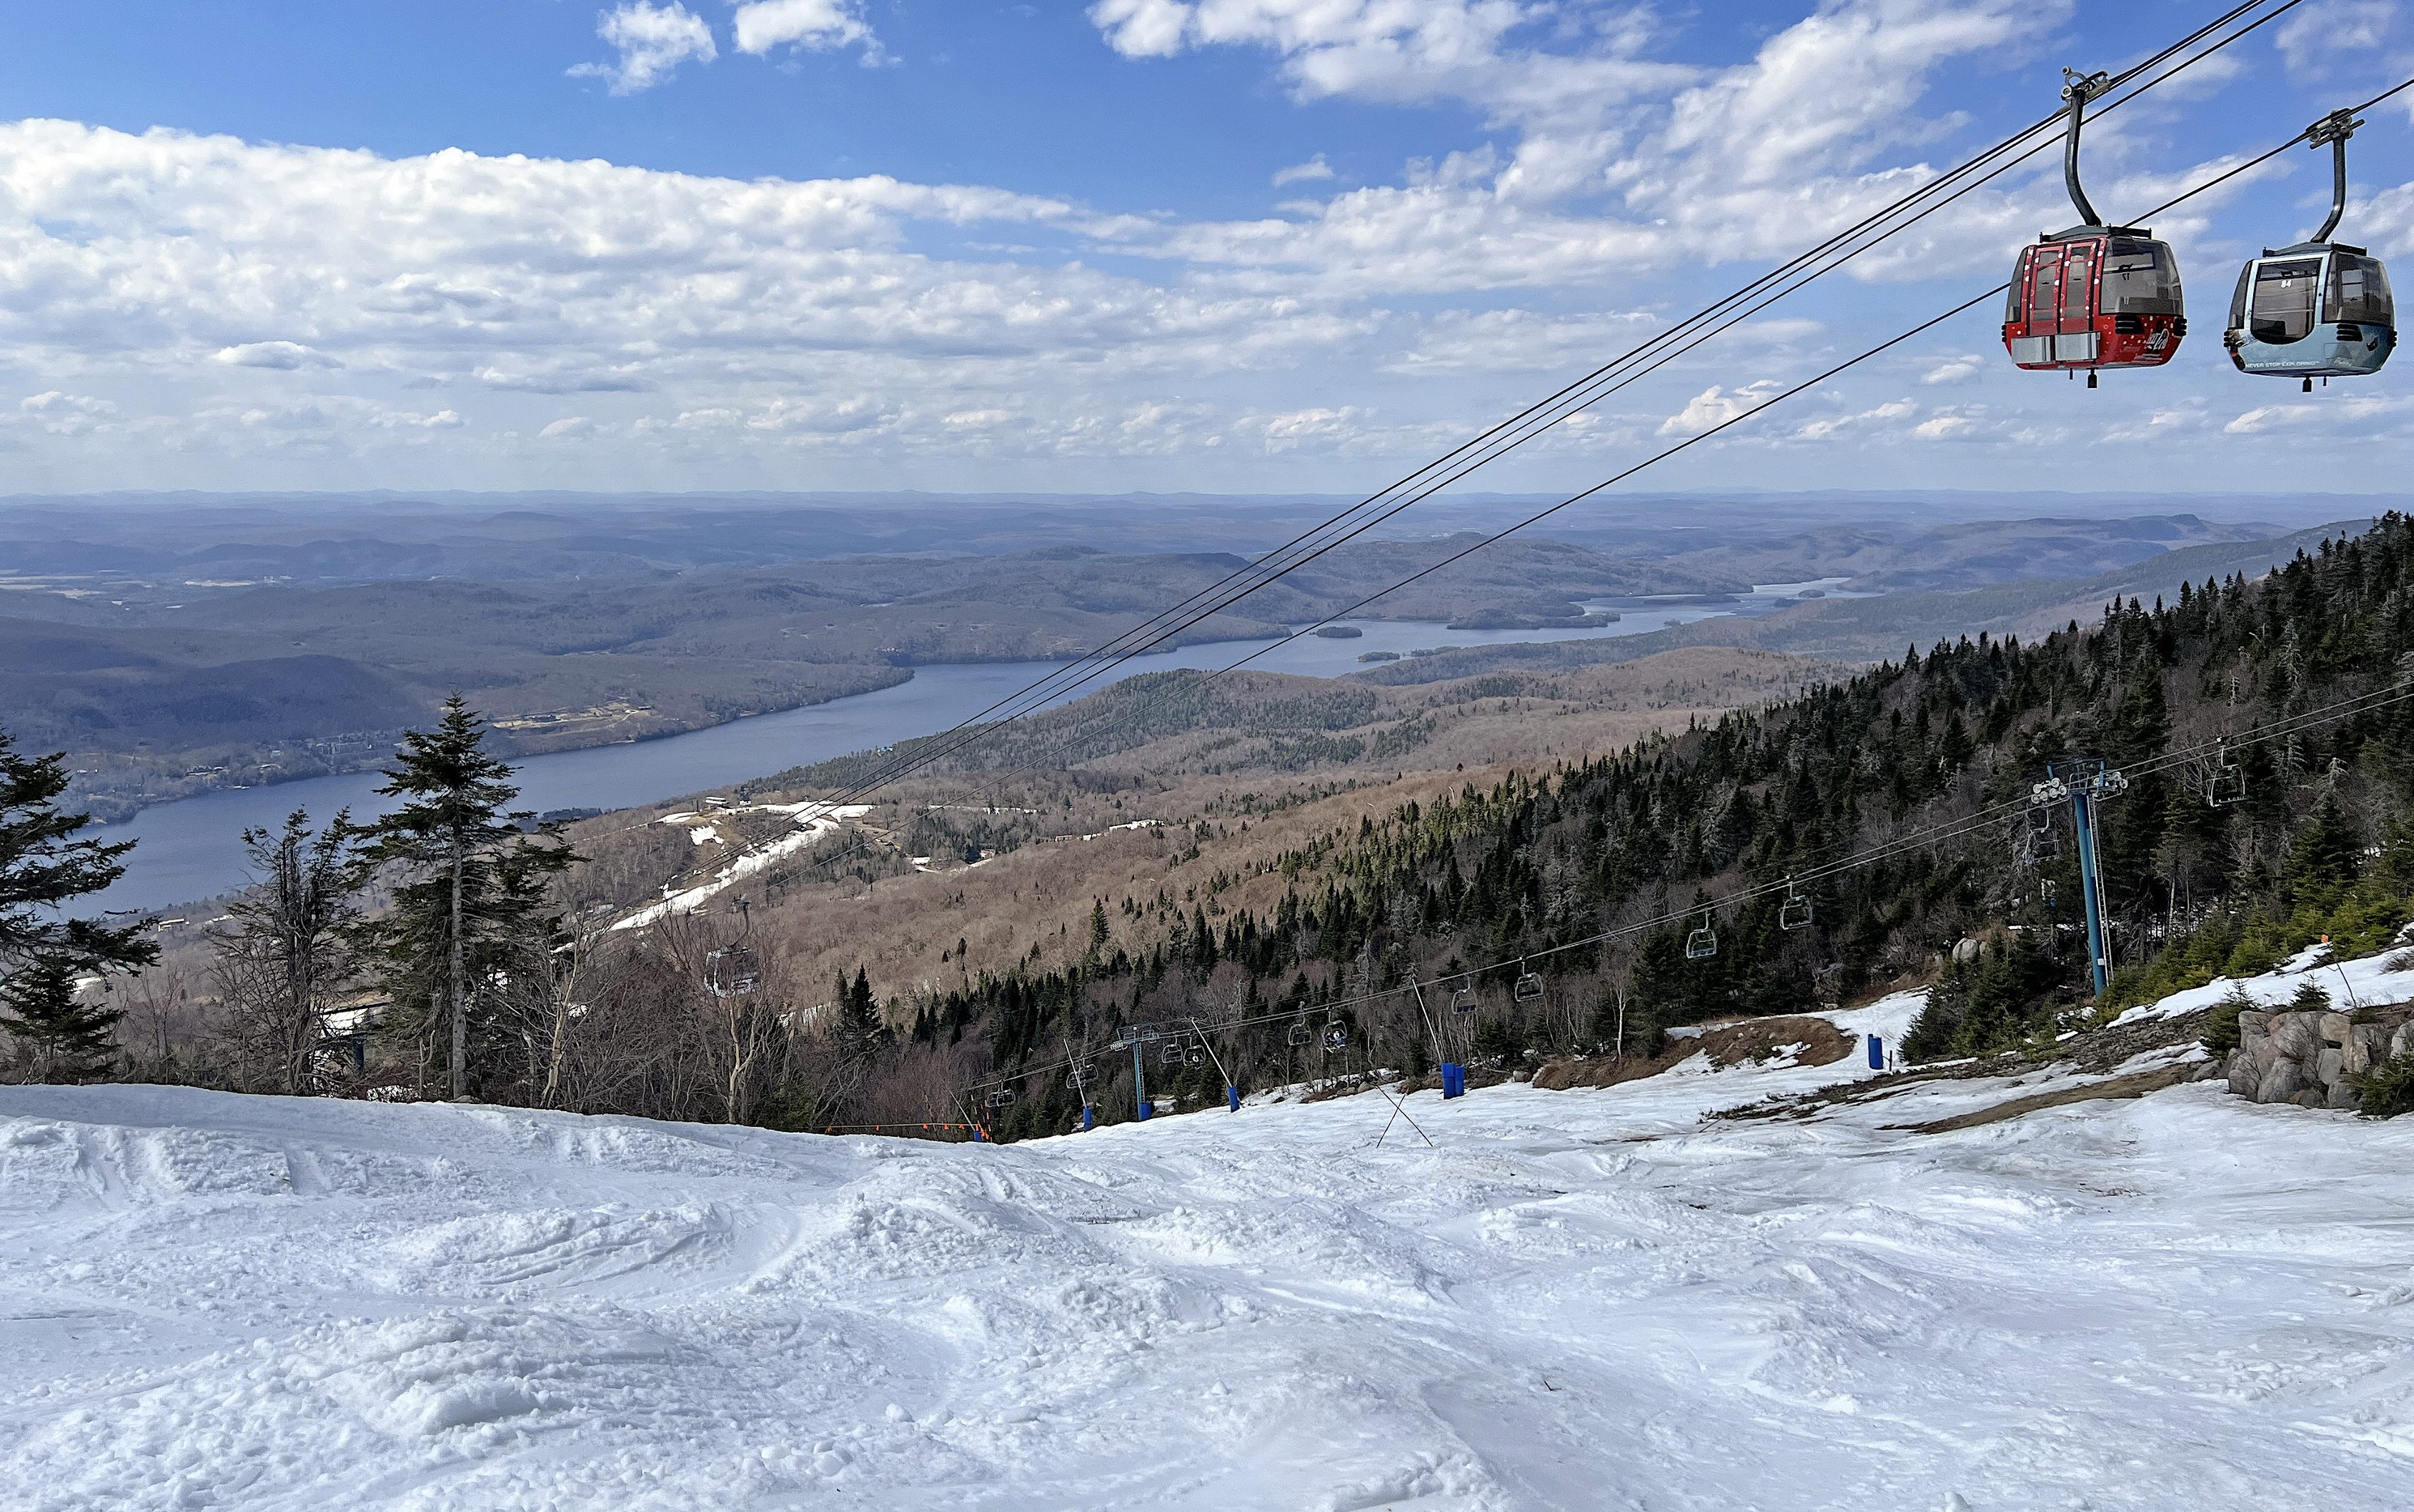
x: 470, y: 880
x: 43, y: 953
x: 40, y: 1004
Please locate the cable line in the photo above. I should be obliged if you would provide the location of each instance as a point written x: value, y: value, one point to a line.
x: 1509, y: 435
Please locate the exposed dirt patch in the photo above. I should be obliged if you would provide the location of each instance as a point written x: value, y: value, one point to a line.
x: 2137, y: 1084
x: 1813, y: 1041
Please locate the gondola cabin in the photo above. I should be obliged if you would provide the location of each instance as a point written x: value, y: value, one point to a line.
x: 2096, y: 296
x: 2319, y: 310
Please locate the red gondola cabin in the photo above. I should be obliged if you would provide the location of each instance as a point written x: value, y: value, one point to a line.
x: 2094, y: 296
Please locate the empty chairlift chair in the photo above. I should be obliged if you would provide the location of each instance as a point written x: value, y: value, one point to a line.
x: 1002, y: 1097
x: 2319, y: 309
x: 1528, y: 986
x: 1794, y: 913
x: 2044, y: 841
x: 1300, y: 1035
x: 2093, y: 296
x: 2226, y: 784
x: 1462, y: 1001
x: 732, y: 971
x: 1702, y: 943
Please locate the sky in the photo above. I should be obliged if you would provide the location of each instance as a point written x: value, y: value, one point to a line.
x: 1207, y: 246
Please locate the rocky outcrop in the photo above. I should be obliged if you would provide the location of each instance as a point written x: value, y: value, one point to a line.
x: 2311, y: 1057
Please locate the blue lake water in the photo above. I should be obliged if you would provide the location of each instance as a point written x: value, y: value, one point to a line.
x: 191, y: 849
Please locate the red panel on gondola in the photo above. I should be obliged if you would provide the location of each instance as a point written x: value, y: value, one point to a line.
x: 2107, y: 297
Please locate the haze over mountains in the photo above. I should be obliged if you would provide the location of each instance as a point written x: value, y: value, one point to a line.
x: 173, y: 643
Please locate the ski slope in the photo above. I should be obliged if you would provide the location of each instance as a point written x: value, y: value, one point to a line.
x: 1583, y: 1299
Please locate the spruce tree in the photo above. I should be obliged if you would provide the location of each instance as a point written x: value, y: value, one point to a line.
x: 468, y: 878
x: 43, y: 952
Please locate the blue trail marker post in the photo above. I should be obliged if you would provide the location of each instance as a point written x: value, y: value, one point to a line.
x: 1877, y: 1053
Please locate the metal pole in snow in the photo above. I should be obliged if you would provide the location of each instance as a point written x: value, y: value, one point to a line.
x: 1140, y: 1083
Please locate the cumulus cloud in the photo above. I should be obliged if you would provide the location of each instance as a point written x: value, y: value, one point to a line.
x: 816, y: 25
x: 1715, y: 406
x: 1960, y: 369
x: 287, y: 355
x: 407, y: 419
x: 653, y: 40
x: 1314, y: 168
x: 566, y: 428
x: 2318, y: 35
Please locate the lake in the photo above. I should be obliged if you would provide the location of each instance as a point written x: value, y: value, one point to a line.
x: 191, y: 849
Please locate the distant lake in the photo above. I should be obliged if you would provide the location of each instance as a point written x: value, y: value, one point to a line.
x: 191, y: 849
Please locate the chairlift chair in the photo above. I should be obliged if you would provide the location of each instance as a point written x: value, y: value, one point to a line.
x: 1195, y: 1056
x: 1528, y: 986
x: 1462, y: 1001
x: 732, y: 971
x: 2319, y: 309
x: 2043, y: 838
x: 1794, y: 913
x: 1168, y: 1054
x: 2228, y: 783
x: 1003, y: 1097
x: 1300, y: 1035
x: 1702, y: 943
x: 1336, y: 1037
x: 2096, y: 295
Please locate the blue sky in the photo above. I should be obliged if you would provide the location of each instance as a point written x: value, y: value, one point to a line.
x: 1220, y: 245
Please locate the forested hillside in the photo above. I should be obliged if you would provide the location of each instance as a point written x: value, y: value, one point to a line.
x: 1926, y: 761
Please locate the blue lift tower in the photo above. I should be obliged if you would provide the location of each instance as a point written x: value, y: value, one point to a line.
x: 2086, y: 784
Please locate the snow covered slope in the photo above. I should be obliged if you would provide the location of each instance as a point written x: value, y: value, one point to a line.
x: 1585, y: 1299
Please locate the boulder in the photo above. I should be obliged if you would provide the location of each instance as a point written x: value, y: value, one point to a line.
x: 2245, y: 1073
x: 2343, y: 1096
x: 2311, y: 1097
x: 2296, y: 1035
x: 2335, y: 1026
x: 2254, y: 1023
x: 2281, y: 1083
x: 2329, y: 1068
x: 2367, y: 1047
x: 2402, y: 1043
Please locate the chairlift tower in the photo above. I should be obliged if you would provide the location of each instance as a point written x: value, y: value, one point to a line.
x: 2087, y: 784
x: 1136, y: 1038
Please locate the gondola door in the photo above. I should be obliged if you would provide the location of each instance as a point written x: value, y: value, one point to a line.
x: 2075, y: 334
x: 2036, y: 312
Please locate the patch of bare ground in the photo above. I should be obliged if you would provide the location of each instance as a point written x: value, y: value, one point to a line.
x: 1805, y: 1041
x: 2136, y: 1084
x: 2095, y: 1053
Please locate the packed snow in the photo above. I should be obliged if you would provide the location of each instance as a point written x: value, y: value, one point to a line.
x: 1580, y: 1299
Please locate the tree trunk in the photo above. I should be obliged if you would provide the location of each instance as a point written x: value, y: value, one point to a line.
x: 460, y: 1024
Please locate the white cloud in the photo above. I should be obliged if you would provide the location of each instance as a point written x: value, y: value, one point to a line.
x: 285, y: 355
x: 1314, y: 168
x: 1961, y: 369
x: 654, y: 40
x: 1830, y: 427
x: 66, y: 414
x: 1715, y: 406
x: 817, y: 26
x: 2319, y: 36
x: 392, y: 420
x: 566, y: 428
